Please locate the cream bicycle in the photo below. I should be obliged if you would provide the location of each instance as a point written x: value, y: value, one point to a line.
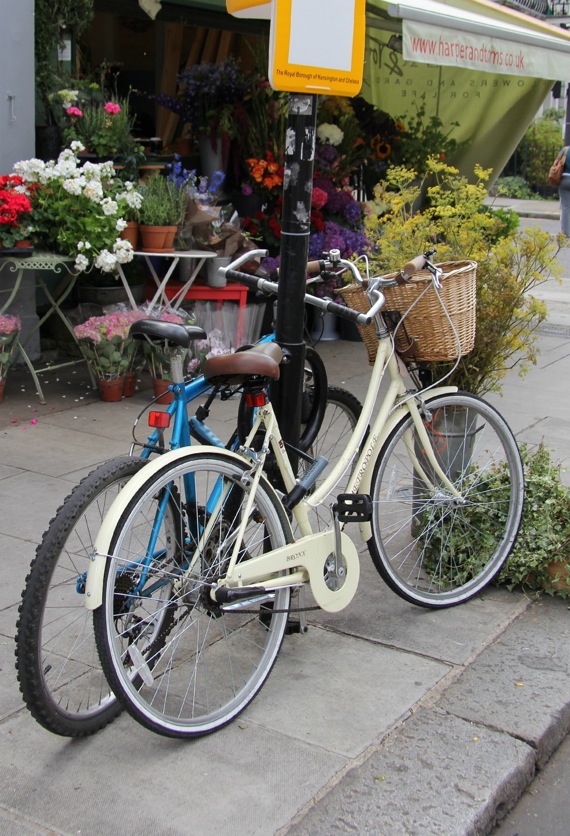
x: 197, y: 561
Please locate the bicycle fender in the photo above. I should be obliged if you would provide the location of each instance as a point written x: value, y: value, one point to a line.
x: 101, y: 549
x: 393, y: 420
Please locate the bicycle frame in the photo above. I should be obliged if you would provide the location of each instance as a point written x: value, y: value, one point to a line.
x: 301, y: 561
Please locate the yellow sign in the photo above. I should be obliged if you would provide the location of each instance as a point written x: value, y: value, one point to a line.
x: 249, y: 8
x: 317, y: 46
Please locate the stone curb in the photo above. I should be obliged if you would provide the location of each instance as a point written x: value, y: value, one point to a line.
x: 459, y: 766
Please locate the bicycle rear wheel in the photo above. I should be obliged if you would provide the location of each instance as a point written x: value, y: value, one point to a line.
x: 432, y: 548
x: 212, y: 659
x: 57, y: 664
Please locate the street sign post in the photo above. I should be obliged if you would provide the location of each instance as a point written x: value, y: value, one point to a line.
x: 316, y: 46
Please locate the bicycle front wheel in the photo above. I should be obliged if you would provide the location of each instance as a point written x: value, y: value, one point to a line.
x: 207, y: 661
x: 434, y: 548
x: 58, y: 667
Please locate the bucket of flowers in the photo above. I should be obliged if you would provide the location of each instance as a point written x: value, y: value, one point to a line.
x: 10, y: 327
x: 15, y: 213
x: 108, y: 349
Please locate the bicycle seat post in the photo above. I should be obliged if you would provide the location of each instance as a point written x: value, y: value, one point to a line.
x: 176, y: 366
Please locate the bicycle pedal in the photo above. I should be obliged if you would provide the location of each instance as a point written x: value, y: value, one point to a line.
x: 353, y: 507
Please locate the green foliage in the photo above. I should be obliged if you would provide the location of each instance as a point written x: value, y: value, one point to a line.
x: 421, y: 138
x: 540, y: 145
x: 50, y: 18
x: 510, y: 263
x: 164, y: 204
x: 544, y: 535
x: 540, y: 558
x: 515, y: 187
x: 109, y: 358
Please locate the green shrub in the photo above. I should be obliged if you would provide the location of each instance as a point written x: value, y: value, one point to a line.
x: 511, y: 263
x: 544, y: 536
x: 540, y: 145
x: 515, y: 187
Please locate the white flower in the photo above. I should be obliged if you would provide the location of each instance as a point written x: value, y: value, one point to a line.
x: 329, y: 134
x: 81, y: 263
x: 106, y: 262
x: 123, y: 251
x: 29, y: 169
x: 73, y: 186
x: 67, y: 97
x: 77, y: 146
x: 94, y: 191
x: 109, y: 206
x: 121, y: 224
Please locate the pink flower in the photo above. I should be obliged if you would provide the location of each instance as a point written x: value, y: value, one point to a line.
x: 319, y: 198
x: 111, y: 107
x: 74, y: 111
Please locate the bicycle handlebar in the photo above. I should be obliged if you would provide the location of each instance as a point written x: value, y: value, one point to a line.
x: 330, y: 261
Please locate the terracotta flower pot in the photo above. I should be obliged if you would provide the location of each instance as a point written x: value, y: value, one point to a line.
x: 24, y: 244
x: 2, y: 382
x: 111, y: 390
x: 160, y: 387
x: 155, y: 238
x: 129, y: 384
x: 131, y: 233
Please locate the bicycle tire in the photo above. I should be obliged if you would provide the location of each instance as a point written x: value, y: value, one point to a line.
x: 431, y: 549
x: 67, y: 694
x: 313, y: 402
x: 213, y: 661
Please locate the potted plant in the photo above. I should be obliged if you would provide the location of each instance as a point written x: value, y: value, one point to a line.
x: 103, y: 126
x: 10, y: 327
x: 77, y: 210
x: 108, y: 349
x: 15, y: 212
x: 162, y: 210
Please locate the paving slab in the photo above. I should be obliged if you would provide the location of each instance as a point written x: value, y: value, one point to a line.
x: 520, y: 684
x: 435, y: 774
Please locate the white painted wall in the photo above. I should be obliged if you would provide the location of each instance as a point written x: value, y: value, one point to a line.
x: 17, y: 85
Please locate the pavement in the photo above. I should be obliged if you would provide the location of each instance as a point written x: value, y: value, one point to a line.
x: 384, y: 719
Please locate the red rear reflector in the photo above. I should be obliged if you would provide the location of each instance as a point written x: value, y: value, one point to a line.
x: 255, y: 400
x: 158, y: 419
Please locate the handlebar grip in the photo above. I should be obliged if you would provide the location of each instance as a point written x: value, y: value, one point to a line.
x: 417, y: 263
x: 314, y: 268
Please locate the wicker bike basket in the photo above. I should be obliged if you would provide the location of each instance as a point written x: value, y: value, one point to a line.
x: 424, y: 333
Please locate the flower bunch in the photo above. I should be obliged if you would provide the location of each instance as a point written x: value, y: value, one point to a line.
x: 10, y: 327
x: 338, y: 204
x: 78, y: 210
x: 265, y: 226
x: 329, y: 134
x: 334, y: 236
x: 202, y: 189
x: 105, y: 343
x: 208, y: 98
x: 15, y: 209
x: 265, y: 175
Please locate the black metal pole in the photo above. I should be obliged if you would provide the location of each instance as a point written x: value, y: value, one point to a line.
x: 295, y: 226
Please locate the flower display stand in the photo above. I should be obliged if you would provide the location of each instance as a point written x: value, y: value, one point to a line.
x: 62, y: 266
